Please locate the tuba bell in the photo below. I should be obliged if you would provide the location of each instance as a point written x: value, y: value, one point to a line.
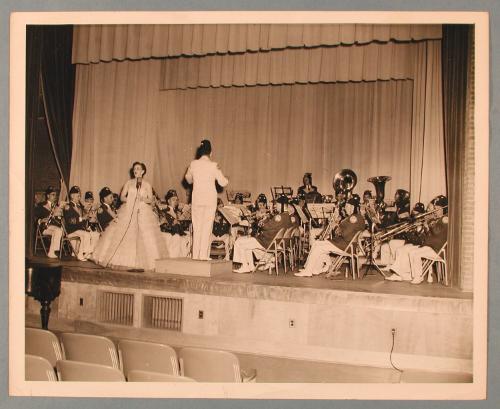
x: 379, y: 183
x: 345, y: 181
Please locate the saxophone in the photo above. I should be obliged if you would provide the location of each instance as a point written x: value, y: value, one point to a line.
x: 333, y: 224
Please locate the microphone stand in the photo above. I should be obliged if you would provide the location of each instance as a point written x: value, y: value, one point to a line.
x: 138, y: 185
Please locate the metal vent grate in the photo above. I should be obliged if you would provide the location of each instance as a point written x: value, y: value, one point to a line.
x: 163, y: 312
x: 116, y: 308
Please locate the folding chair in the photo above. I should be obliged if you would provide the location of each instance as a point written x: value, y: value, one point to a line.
x: 349, y: 255
x: 147, y: 356
x: 42, y: 343
x: 67, y: 246
x: 287, y: 245
x: 274, y: 248
x: 148, y: 376
x: 41, y: 239
x: 205, y: 365
x: 37, y: 368
x: 76, y: 371
x: 440, y: 261
x: 89, y: 348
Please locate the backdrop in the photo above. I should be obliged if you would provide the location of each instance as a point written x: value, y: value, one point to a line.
x: 319, y: 116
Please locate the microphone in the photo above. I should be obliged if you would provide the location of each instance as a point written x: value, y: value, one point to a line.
x: 139, y: 183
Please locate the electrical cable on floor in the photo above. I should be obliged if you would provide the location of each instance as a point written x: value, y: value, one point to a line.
x: 392, y: 349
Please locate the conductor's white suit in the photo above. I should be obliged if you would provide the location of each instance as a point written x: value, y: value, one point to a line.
x: 203, y: 173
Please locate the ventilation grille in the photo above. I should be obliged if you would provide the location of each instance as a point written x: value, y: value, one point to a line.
x: 163, y: 312
x: 116, y: 308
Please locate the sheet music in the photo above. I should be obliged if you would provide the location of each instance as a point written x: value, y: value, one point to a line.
x: 320, y: 210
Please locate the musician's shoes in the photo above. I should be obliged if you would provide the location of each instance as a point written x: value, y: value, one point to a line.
x: 243, y: 270
x: 303, y: 274
x: 386, y: 268
x: 394, y: 277
x: 82, y: 258
x: 417, y: 280
x: 51, y: 255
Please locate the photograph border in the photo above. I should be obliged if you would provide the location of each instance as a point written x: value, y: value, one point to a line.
x: 17, y: 385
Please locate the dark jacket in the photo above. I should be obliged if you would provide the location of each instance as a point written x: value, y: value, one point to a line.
x: 73, y: 214
x: 347, y: 230
x: 272, y: 226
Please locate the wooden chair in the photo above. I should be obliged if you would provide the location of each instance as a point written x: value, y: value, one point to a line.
x: 148, y: 376
x: 41, y: 342
x: 89, y: 348
x: 76, y: 371
x: 440, y: 261
x: 275, y: 249
x: 37, y: 368
x: 147, y: 356
x: 205, y: 365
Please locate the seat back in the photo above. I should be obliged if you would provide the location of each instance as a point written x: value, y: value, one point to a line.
x: 205, y: 365
x: 147, y: 356
x: 41, y: 342
x: 148, y: 376
x: 288, y: 232
x: 37, y: 368
x: 40, y: 238
x: 86, y: 372
x: 90, y: 348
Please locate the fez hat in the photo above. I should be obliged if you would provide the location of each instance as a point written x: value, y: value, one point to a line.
x: 105, y: 191
x: 74, y: 189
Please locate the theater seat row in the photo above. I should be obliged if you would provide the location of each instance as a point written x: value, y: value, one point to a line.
x: 83, y: 357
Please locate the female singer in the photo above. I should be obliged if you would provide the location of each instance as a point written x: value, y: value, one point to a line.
x: 203, y: 173
x: 134, y: 238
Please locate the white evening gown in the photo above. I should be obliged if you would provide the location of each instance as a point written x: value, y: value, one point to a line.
x: 134, y: 239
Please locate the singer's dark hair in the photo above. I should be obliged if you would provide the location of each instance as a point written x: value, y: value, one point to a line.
x: 205, y: 148
x: 142, y: 165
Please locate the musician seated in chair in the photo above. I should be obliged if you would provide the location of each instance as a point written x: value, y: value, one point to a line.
x: 173, y: 227
x: 46, y: 214
x: 319, y: 259
x: 93, y: 226
x: 428, y: 242
x: 246, y: 247
x: 221, y: 230
x: 106, y: 213
x: 76, y: 223
x: 307, y: 186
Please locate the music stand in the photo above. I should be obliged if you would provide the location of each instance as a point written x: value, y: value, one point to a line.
x: 278, y: 191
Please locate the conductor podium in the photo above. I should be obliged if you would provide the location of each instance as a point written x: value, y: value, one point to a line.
x: 190, y: 267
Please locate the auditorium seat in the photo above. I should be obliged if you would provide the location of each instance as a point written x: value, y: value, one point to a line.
x: 148, y: 376
x: 87, y: 372
x: 37, y: 368
x: 147, y: 356
x: 205, y: 365
x: 43, y: 343
x: 89, y: 348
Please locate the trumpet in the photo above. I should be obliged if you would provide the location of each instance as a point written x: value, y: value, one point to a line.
x: 55, y: 215
x: 91, y: 218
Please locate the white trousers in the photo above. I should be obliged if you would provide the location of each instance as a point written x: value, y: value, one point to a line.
x: 243, y: 251
x: 84, y: 242
x: 415, y: 256
x: 401, y: 265
x: 94, y: 238
x: 388, y: 251
x: 203, y: 221
x: 55, y: 242
x: 318, y: 261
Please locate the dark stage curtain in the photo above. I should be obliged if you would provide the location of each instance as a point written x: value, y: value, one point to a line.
x: 456, y: 48
x: 48, y: 57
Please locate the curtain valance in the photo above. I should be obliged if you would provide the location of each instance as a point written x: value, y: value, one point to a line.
x: 96, y: 43
x: 370, y: 62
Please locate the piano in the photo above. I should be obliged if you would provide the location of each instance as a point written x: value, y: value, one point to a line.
x: 43, y: 283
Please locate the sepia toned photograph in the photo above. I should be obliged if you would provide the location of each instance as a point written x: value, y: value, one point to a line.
x: 249, y: 205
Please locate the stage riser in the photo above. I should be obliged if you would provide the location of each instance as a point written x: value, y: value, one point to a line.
x: 432, y: 334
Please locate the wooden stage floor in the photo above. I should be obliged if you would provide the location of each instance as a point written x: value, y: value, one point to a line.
x: 372, y: 283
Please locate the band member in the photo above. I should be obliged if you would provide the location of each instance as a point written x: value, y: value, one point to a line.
x: 76, y: 223
x: 203, y: 173
x: 221, y: 230
x: 408, y: 262
x: 307, y: 186
x: 319, y: 260
x: 49, y: 217
x: 238, y: 199
x: 106, y: 214
x: 116, y: 202
x: 419, y: 208
x: 246, y: 247
x: 176, y: 239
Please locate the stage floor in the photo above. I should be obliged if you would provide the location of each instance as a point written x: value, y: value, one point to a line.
x: 372, y: 283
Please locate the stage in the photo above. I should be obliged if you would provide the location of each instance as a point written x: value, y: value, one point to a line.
x: 316, y: 319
